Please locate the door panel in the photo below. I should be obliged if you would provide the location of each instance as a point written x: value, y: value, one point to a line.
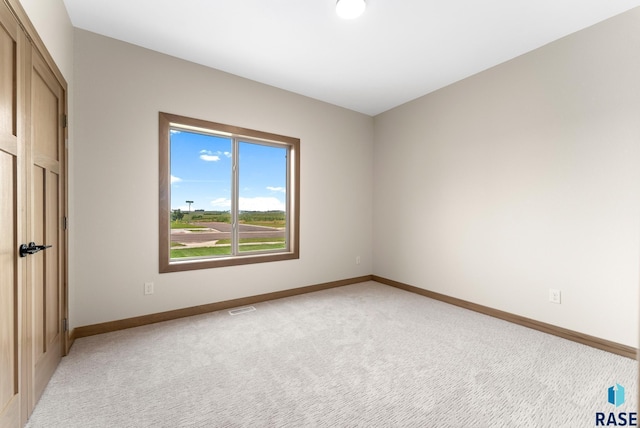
x: 36, y: 261
x: 47, y: 110
x: 46, y: 114
x: 9, y: 309
x: 53, y: 281
x: 10, y: 196
x: 8, y: 67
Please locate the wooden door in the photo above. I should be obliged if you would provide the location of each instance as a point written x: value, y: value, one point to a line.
x: 46, y: 269
x: 32, y: 208
x: 12, y: 201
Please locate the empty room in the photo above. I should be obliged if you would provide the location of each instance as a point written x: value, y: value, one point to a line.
x: 317, y: 214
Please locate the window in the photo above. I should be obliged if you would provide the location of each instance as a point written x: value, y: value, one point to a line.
x: 228, y: 195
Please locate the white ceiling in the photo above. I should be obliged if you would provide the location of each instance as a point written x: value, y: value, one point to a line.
x: 397, y: 51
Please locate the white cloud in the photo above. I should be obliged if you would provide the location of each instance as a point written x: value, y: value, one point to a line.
x: 175, y: 179
x: 261, y: 204
x: 207, y: 156
x: 277, y: 189
x: 221, y: 203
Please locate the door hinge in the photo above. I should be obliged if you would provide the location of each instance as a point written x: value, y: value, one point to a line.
x: 65, y: 326
x: 64, y: 223
x: 64, y: 120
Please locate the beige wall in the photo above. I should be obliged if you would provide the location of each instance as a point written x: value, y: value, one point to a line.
x: 52, y: 22
x: 120, y: 89
x: 523, y: 178
x: 494, y: 189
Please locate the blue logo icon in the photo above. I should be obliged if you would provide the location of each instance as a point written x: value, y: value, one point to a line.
x: 616, y: 395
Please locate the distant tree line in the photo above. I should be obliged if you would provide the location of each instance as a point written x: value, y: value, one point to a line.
x: 262, y: 216
x: 177, y: 215
x: 225, y: 216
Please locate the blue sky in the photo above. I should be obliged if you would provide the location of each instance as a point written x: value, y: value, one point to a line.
x: 201, y: 172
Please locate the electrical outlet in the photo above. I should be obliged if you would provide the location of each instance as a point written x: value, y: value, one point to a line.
x: 148, y: 288
x: 554, y: 295
x: 358, y: 260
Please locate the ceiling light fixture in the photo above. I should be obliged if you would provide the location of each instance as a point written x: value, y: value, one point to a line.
x: 350, y: 9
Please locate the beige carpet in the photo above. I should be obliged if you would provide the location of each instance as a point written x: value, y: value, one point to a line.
x: 364, y: 355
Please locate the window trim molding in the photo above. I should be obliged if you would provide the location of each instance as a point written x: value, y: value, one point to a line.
x: 293, y: 209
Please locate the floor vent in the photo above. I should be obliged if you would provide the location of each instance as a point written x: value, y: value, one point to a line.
x: 242, y: 310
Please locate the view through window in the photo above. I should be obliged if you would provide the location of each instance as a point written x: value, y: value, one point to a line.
x: 229, y: 195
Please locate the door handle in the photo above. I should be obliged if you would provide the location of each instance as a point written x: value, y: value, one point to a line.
x: 31, y: 248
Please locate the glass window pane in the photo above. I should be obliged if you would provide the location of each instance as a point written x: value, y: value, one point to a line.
x: 228, y: 196
x: 200, y: 194
x: 262, y: 202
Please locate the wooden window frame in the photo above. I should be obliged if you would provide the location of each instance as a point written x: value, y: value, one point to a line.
x: 166, y: 264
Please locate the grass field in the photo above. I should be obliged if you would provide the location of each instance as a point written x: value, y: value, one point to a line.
x: 275, y: 219
x: 193, y: 220
x: 221, y: 250
x: 278, y: 224
x: 183, y: 225
x: 250, y: 240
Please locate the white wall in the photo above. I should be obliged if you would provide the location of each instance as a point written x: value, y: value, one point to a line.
x: 523, y: 178
x: 120, y: 89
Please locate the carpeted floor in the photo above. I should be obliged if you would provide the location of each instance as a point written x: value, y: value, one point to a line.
x: 364, y: 355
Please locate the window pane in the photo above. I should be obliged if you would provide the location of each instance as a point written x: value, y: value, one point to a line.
x: 200, y: 194
x: 229, y: 196
x: 262, y: 202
